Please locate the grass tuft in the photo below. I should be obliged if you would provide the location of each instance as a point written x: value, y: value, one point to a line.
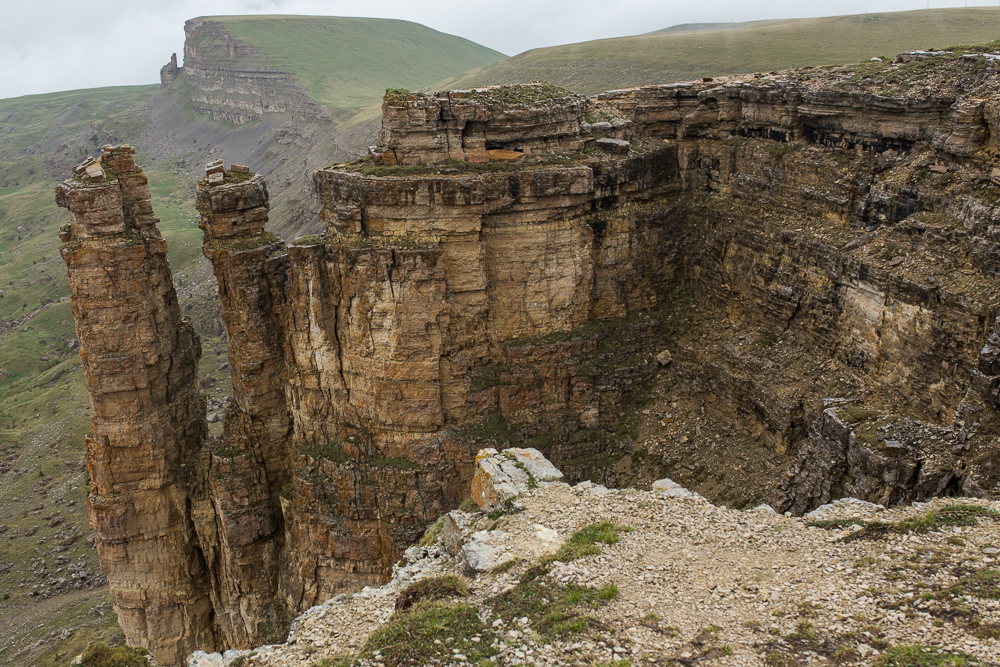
x: 419, y: 635
x: 916, y: 655
x: 100, y: 654
x: 587, y: 540
x: 554, y: 610
x: 435, y: 588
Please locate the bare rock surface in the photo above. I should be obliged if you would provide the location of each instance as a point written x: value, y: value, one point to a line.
x: 501, y: 476
x: 463, y: 297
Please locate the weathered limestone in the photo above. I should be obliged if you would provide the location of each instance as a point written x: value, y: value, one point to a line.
x: 140, y: 360
x: 170, y: 71
x: 471, y: 305
x: 231, y: 80
x: 502, y: 123
x: 501, y: 476
x: 238, y: 512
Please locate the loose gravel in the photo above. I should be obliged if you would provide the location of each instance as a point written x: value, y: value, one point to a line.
x: 700, y: 584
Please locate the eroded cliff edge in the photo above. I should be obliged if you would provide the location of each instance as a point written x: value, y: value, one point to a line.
x: 508, y: 263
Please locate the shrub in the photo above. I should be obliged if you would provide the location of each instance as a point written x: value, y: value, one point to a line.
x: 100, y: 654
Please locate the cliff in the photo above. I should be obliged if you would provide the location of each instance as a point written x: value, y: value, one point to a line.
x: 709, y: 279
x: 231, y: 79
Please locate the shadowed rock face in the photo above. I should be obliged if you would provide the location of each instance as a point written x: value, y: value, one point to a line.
x: 454, y: 302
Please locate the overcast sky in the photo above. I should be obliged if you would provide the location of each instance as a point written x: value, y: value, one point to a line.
x: 50, y: 45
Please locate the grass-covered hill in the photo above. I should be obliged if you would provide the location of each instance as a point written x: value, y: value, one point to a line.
x: 347, y: 63
x: 700, y: 50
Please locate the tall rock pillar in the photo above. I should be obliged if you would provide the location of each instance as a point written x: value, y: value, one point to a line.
x: 140, y: 360
x: 240, y: 518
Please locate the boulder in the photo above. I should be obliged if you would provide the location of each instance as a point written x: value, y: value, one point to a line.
x: 672, y: 489
x: 202, y: 659
x: 613, y: 145
x: 478, y: 555
x: 453, y: 531
x: 502, y: 476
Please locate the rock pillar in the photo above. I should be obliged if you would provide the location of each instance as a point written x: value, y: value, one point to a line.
x: 140, y: 360
x: 240, y: 518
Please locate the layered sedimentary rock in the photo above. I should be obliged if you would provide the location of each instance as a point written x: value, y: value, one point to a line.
x: 237, y: 508
x: 501, y: 123
x: 504, y: 269
x: 140, y: 359
x: 231, y: 79
x: 170, y: 71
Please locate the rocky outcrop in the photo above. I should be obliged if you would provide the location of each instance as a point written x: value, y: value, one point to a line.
x: 502, y: 124
x: 231, y: 80
x: 237, y: 507
x: 140, y: 360
x: 460, y: 301
x: 502, y: 476
x: 170, y: 71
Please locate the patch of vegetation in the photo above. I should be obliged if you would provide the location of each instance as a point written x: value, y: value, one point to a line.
x: 100, y: 654
x: 946, y: 517
x: 916, y: 655
x: 237, y: 176
x: 434, y: 588
x: 433, y: 532
x: 984, y: 584
x: 496, y: 431
x: 855, y: 414
x: 668, y: 56
x: 348, y: 63
x: 430, y: 631
x: 521, y: 93
x: 487, y: 377
x: 309, y: 239
x: 506, y: 566
x: 507, y: 508
x: 396, y: 464
x: 395, y: 96
x: 587, y: 540
x: 775, y: 659
x: 331, y: 450
x: 587, y: 330
x: 553, y: 609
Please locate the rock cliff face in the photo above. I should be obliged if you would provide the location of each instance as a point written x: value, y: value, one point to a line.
x: 141, y: 364
x: 506, y: 267
x: 231, y: 80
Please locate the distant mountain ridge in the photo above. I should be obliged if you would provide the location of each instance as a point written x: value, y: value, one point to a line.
x: 693, y: 51
x: 689, y: 27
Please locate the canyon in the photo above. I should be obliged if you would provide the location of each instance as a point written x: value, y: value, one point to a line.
x: 789, y: 277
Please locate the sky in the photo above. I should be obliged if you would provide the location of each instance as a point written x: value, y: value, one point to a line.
x: 52, y: 45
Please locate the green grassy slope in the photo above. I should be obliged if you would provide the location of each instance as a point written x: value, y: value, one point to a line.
x: 347, y: 63
x: 41, y: 137
x: 664, y: 57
